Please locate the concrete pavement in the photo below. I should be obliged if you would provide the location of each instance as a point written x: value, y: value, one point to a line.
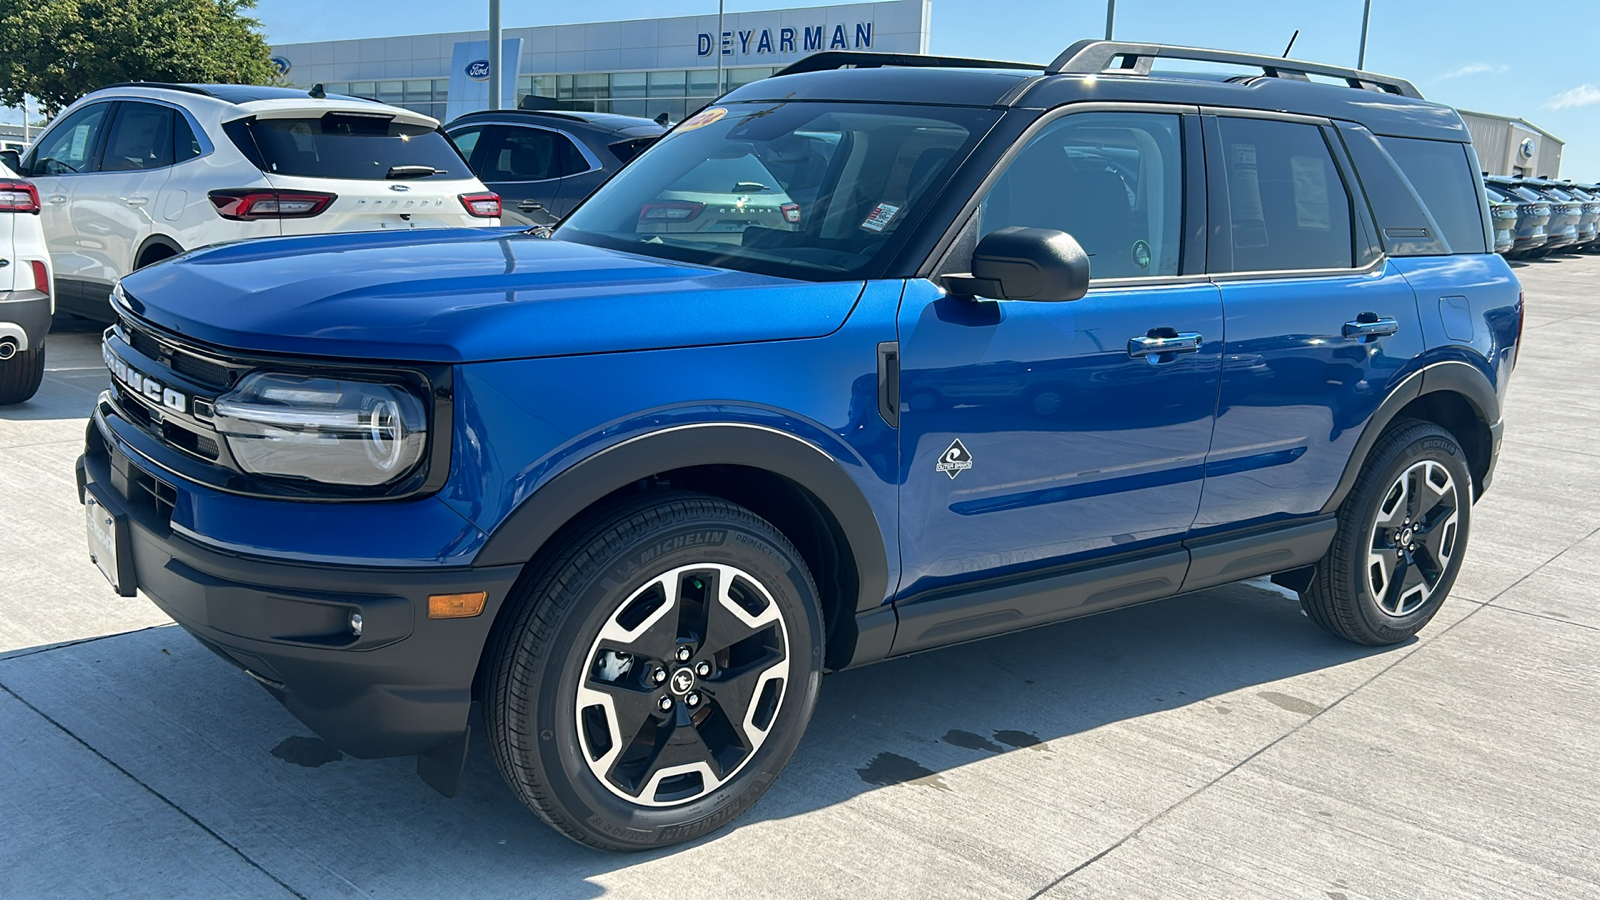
x: 1214, y: 745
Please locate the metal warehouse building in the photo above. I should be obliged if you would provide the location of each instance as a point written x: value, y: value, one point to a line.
x: 640, y: 68
x: 1508, y: 146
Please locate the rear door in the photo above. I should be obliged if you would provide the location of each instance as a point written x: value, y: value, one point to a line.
x: 359, y: 170
x: 114, y: 207
x: 1319, y: 324
x: 525, y: 165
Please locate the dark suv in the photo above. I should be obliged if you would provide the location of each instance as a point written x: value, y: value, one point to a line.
x: 1035, y: 342
x: 543, y: 163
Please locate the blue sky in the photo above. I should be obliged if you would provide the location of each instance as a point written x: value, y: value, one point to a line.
x: 1497, y: 57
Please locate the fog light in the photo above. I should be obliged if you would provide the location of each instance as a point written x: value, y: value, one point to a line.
x: 355, y: 624
x: 456, y: 606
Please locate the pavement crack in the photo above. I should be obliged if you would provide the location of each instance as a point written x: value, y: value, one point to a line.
x: 153, y: 792
x: 34, y: 651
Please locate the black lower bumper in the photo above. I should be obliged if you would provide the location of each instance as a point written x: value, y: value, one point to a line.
x: 402, y: 686
x: 29, y: 311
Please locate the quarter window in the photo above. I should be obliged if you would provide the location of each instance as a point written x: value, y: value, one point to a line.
x: 1447, y: 183
x: 1287, y: 205
x: 69, y: 147
x: 1114, y: 181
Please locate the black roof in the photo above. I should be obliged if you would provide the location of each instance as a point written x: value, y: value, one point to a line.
x: 1116, y: 71
x: 229, y: 93
x: 607, y: 120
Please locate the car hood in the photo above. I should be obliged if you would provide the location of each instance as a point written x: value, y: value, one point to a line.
x: 466, y: 295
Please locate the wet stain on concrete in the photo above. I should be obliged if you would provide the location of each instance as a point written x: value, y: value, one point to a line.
x: 1223, y: 710
x: 890, y: 768
x: 310, y: 752
x: 1021, y: 739
x: 971, y: 741
x: 1292, y: 704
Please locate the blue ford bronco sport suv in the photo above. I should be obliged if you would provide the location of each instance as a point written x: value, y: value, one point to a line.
x: 1021, y: 343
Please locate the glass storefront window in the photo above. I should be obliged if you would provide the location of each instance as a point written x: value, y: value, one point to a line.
x: 703, y: 83
x: 669, y: 84
x: 363, y: 89
x: 591, y: 86
x: 419, y: 91
x: 743, y: 76
x: 564, y: 87
x: 628, y: 84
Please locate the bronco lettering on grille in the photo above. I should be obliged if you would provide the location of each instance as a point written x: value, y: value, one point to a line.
x: 142, y: 384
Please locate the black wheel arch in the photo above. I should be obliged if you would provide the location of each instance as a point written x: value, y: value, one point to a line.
x: 166, y: 245
x: 791, y: 482
x: 1454, y: 395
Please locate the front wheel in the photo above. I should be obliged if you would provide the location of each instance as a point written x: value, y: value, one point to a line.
x: 657, y: 674
x: 1401, y: 538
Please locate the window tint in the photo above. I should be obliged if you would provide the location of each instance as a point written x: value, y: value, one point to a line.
x: 519, y: 154
x: 1288, y: 208
x: 1445, y: 180
x: 346, y: 145
x: 69, y: 147
x: 141, y: 138
x: 184, y: 144
x: 1114, y: 181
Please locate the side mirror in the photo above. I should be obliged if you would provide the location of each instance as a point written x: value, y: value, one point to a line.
x: 12, y: 159
x: 1016, y: 263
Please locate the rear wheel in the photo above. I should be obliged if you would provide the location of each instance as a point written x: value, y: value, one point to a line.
x: 1401, y: 538
x: 21, y: 375
x: 658, y: 673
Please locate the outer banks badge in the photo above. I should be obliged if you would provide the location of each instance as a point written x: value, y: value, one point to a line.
x: 954, y: 460
x: 1141, y: 254
x: 702, y: 118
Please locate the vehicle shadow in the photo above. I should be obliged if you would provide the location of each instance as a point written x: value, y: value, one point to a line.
x: 202, y: 735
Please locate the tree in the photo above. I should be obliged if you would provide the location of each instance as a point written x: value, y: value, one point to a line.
x: 59, y: 50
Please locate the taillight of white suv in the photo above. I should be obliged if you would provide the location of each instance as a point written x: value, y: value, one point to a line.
x: 18, y: 196
x: 482, y: 206
x: 248, y: 205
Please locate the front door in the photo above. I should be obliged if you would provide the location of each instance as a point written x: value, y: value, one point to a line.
x: 114, y: 208
x: 59, y: 162
x: 1040, y: 434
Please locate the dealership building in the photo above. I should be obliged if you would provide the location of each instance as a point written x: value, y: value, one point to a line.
x: 639, y: 68
x: 1511, y: 146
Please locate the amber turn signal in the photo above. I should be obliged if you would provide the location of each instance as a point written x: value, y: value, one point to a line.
x: 456, y: 606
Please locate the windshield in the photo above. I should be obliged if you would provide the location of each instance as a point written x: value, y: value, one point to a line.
x: 347, y: 145
x: 804, y: 190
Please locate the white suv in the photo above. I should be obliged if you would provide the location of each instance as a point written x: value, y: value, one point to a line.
x: 134, y: 173
x: 25, y: 306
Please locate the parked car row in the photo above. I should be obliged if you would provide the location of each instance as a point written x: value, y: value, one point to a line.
x: 1538, y: 216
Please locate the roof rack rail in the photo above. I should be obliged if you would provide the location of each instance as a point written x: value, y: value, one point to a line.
x: 1094, y: 57
x: 839, y: 59
x: 186, y: 88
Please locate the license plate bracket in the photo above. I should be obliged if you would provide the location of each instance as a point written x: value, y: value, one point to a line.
x: 108, y: 536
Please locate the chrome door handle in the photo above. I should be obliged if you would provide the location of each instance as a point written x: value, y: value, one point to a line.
x: 58, y: 199
x: 136, y: 201
x: 529, y: 205
x: 1164, y: 340
x: 1371, y: 325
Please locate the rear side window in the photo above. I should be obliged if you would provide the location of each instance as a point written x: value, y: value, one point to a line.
x: 526, y: 154
x: 357, y: 146
x: 1287, y: 205
x: 1445, y: 180
x: 141, y: 138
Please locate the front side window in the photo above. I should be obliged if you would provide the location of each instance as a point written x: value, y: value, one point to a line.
x: 69, y: 147
x: 1287, y: 205
x: 141, y: 138
x: 1446, y: 182
x: 809, y: 190
x: 1114, y: 181
x: 362, y: 146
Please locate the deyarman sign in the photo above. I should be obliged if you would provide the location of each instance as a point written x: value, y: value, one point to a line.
x: 789, y: 40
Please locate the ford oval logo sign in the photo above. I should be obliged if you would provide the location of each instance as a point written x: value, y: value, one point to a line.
x: 478, y: 70
x: 1526, y: 148
x: 282, y: 64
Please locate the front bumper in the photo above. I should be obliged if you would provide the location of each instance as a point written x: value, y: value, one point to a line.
x: 24, y: 317
x: 402, y: 687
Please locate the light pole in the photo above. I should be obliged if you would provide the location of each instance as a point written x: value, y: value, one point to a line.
x: 1366, y: 17
x: 494, y: 54
x: 720, y: 5
x: 1111, y: 16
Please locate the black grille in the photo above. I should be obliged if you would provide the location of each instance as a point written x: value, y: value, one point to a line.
x: 143, y: 342
x: 204, y: 371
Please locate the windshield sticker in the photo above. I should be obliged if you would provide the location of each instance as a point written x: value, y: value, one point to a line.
x: 702, y: 118
x: 881, y: 216
x: 1141, y: 254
